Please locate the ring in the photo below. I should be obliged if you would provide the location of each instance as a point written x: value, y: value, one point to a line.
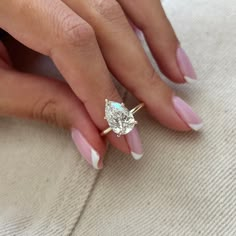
x: 120, y: 120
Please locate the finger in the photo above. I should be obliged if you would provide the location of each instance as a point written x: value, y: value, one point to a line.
x: 27, y: 96
x: 5, y: 59
x: 71, y: 43
x: 128, y: 61
x: 151, y: 19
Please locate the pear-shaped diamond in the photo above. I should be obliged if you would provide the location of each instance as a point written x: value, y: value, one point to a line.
x: 119, y: 118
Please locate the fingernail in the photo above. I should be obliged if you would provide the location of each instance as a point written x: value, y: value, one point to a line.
x: 187, y: 114
x: 185, y: 66
x: 86, y: 150
x: 135, y: 144
x: 137, y: 31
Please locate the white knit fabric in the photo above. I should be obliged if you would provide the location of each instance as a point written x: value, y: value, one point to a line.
x: 184, y: 185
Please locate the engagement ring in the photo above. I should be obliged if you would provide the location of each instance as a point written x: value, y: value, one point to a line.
x: 120, y: 120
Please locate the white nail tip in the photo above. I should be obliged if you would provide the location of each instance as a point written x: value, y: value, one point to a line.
x: 189, y: 80
x: 136, y: 156
x: 196, y: 127
x: 95, y: 159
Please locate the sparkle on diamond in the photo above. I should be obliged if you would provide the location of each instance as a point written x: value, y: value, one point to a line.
x: 119, y: 118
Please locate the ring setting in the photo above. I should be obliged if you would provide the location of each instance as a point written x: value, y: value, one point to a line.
x: 120, y: 120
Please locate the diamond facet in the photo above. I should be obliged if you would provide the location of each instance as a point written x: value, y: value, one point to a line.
x: 119, y: 118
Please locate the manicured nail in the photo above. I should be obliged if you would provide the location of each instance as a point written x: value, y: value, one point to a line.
x: 185, y: 66
x: 187, y: 114
x: 135, y: 144
x: 137, y: 31
x: 86, y: 150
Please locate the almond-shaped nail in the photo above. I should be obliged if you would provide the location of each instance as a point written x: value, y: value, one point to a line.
x: 185, y: 66
x: 135, y: 144
x: 187, y: 114
x: 86, y: 150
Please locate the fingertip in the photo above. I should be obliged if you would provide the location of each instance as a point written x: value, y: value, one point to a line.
x: 174, y: 63
x: 185, y: 65
x: 186, y: 113
x: 171, y: 111
x: 168, y: 117
x: 93, y: 155
x: 135, y: 144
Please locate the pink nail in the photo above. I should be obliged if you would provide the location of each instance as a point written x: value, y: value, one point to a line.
x: 187, y: 114
x: 135, y: 144
x: 137, y: 31
x: 86, y: 150
x: 185, y: 66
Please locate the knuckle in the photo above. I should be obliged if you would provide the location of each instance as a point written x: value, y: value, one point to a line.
x: 46, y: 110
x: 76, y: 32
x: 111, y: 10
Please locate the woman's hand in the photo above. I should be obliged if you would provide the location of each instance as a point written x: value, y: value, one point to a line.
x: 86, y: 39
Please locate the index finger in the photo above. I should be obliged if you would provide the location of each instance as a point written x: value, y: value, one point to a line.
x: 52, y: 28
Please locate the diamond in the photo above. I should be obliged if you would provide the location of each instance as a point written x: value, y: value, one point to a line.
x: 119, y: 118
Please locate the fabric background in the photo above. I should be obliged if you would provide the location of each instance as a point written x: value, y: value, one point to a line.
x: 184, y: 185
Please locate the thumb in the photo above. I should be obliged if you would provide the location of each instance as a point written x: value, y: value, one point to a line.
x: 50, y: 100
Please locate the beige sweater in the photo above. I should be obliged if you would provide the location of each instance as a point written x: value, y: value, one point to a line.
x: 184, y: 185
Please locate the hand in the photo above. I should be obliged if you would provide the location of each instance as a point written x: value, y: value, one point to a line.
x: 86, y: 39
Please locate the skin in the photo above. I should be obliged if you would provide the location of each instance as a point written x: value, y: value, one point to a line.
x: 88, y: 39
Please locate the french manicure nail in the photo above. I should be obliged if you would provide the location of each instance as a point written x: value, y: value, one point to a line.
x: 187, y: 114
x: 185, y: 66
x: 135, y: 144
x: 86, y: 150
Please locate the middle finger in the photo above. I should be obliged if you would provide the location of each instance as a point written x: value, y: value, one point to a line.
x: 127, y: 60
